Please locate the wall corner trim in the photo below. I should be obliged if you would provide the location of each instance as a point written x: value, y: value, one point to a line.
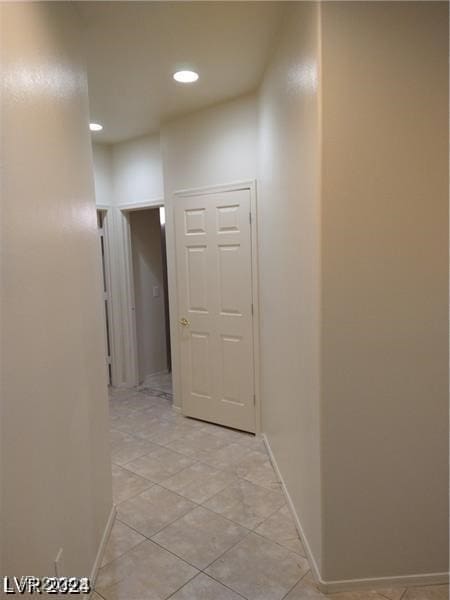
x: 101, y: 549
x: 349, y: 585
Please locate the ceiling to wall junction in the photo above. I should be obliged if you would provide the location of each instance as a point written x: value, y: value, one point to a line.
x: 133, y: 48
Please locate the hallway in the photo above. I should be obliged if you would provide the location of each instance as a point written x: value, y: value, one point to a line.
x: 201, y: 514
x: 288, y: 163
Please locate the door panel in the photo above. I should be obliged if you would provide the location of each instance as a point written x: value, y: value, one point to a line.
x: 214, y: 278
x: 232, y: 295
x: 200, y: 372
x: 233, y: 353
x: 196, y: 274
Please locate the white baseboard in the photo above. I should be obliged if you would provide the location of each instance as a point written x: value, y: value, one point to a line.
x: 101, y: 549
x: 348, y: 585
x: 309, y: 555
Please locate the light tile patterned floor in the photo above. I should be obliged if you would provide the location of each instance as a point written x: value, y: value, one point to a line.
x: 159, y: 384
x: 201, y: 515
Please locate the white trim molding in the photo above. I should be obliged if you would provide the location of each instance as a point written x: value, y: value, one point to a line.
x: 110, y: 274
x: 142, y: 204
x: 216, y: 189
x: 349, y: 585
x: 101, y: 549
x: 124, y: 360
x: 374, y: 583
x: 129, y: 333
x: 103, y: 206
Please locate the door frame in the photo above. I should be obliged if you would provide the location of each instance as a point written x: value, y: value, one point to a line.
x: 107, y: 296
x: 175, y: 332
x: 108, y: 227
x: 129, y: 324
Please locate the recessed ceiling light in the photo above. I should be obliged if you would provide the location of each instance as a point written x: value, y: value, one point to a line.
x: 95, y: 126
x: 185, y: 76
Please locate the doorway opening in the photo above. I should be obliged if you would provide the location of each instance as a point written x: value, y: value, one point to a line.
x: 150, y: 300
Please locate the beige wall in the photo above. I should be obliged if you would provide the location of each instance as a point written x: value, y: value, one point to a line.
x: 289, y: 263
x: 385, y: 288
x: 54, y: 443
x: 148, y: 273
x: 209, y: 147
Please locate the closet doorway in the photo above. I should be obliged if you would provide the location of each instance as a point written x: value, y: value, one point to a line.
x: 150, y: 300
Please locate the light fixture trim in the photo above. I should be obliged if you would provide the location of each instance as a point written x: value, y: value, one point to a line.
x: 186, y: 76
x: 95, y: 126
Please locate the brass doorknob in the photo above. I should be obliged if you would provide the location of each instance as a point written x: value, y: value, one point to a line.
x: 183, y: 321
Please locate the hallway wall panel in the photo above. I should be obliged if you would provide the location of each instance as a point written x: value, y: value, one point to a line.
x: 289, y: 263
x: 385, y: 288
x: 55, y: 463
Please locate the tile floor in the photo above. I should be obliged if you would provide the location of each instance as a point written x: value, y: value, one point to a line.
x: 201, y: 515
x: 159, y: 384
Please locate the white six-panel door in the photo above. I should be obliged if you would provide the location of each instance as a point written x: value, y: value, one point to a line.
x: 214, y: 281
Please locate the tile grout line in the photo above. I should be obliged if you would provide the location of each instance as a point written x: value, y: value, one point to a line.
x: 202, y: 504
x: 181, y: 587
x: 197, y: 505
x: 296, y: 583
x: 162, y: 548
x: 248, y: 532
x: 149, y: 454
x: 224, y: 585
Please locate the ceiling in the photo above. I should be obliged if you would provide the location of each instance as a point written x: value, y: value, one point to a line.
x: 133, y: 48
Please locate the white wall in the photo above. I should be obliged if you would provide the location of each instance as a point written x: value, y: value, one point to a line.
x: 385, y: 288
x: 54, y: 422
x: 148, y: 273
x: 289, y: 262
x: 208, y: 147
x: 352, y: 201
x: 126, y: 173
x: 137, y: 170
x: 353, y: 206
x: 103, y: 174
x: 213, y: 146
x: 129, y: 172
